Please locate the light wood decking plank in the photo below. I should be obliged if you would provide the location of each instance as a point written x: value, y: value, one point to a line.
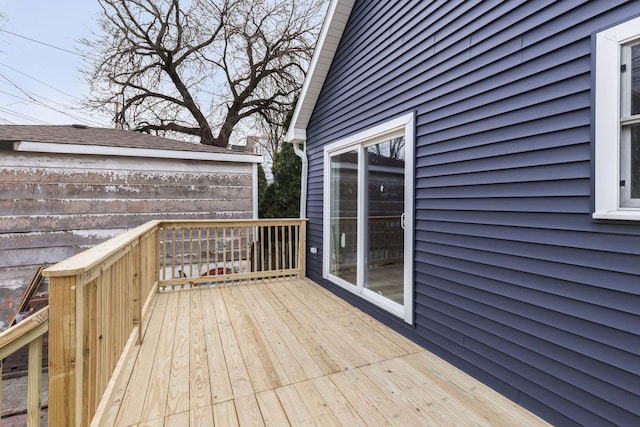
x: 130, y: 409
x: 346, y: 356
x: 289, y: 370
x: 180, y: 419
x: 248, y: 411
x: 238, y: 374
x: 272, y: 412
x: 224, y: 414
x: 426, y: 393
x: 382, y: 376
x: 178, y: 397
x: 326, y: 362
x: 293, y: 323
x: 361, y: 335
x: 219, y: 381
x: 294, y: 406
x: 158, y: 385
x: 252, y: 348
x: 274, y: 374
x: 400, y: 341
x: 338, y: 403
x: 285, y: 336
x: 314, y: 401
x: 389, y: 405
x: 158, y: 422
x: 366, y: 410
x: 201, y: 417
x: 472, y: 396
x: 199, y: 382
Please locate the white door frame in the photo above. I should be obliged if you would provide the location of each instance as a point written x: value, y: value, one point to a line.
x: 401, y: 126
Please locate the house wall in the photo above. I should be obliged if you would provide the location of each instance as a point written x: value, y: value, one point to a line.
x: 54, y: 206
x: 514, y: 281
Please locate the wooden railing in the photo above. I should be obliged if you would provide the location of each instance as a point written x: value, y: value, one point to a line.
x: 204, y: 252
x: 28, y: 332
x: 100, y: 299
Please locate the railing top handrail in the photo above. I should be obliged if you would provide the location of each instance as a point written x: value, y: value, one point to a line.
x: 24, y: 332
x: 231, y: 222
x: 95, y: 255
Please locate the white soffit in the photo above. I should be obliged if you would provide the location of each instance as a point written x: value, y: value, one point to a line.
x: 100, y: 150
x: 330, y: 35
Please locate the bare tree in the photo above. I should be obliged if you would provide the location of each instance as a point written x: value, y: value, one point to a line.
x: 199, y: 67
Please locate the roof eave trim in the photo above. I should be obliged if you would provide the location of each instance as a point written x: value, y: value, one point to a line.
x: 335, y: 22
x: 100, y: 150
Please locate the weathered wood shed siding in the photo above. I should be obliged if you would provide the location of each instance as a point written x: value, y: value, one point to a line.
x: 514, y: 281
x: 54, y: 205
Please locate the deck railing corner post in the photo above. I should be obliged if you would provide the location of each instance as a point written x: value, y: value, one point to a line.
x: 62, y: 351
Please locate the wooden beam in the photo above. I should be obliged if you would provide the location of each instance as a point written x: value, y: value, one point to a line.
x: 16, y: 337
x: 62, y: 351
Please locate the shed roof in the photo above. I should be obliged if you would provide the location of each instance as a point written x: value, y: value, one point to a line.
x: 335, y: 22
x: 78, y: 139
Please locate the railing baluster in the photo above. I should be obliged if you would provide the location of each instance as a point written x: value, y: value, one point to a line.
x: 270, y: 250
x: 232, y: 241
x: 173, y: 252
x: 200, y: 260
x: 190, y: 253
x: 263, y: 249
x: 291, y: 247
x: 247, y: 252
x: 216, y: 252
x: 224, y: 247
x: 208, y: 245
x: 34, y: 379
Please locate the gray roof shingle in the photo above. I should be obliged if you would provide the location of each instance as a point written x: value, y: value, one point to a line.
x: 82, y: 135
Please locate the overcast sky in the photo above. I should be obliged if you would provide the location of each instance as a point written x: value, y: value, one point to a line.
x: 31, y: 73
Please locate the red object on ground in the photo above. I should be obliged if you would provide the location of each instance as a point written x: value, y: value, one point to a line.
x: 216, y: 271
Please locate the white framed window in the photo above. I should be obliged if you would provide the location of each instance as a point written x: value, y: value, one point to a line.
x: 368, y: 215
x: 617, y: 122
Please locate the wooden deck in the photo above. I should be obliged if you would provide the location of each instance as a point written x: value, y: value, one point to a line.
x: 290, y: 353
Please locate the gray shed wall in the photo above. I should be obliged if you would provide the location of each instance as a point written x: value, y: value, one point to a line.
x: 53, y: 206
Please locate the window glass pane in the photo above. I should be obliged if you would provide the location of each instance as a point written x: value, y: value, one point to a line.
x: 344, y: 211
x: 385, y: 181
x: 635, y: 79
x: 635, y: 161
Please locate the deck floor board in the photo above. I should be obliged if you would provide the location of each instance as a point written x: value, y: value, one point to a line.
x: 290, y: 353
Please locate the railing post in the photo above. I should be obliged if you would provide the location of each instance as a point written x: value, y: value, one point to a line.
x: 62, y: 351
x: 302, y: 248
x: 137, y: 287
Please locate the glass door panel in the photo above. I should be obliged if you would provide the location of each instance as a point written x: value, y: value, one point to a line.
x: 385, y: 163
x: 343, y: 216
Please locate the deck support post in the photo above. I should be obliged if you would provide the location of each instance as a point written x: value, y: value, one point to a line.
x: 62, y: 351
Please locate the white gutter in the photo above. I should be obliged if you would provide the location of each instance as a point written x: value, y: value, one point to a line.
x: 254, y: 186
x: 303, y: 178
x: 100, y: 150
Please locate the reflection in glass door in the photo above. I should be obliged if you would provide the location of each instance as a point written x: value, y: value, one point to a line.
x: 385, y: 216
x: 344, y: 211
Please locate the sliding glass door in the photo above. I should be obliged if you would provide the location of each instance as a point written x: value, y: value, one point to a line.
x: 368, y: 198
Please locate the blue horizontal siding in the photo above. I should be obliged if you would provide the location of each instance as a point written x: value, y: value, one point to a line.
x: 564, y: 377
x: 514, y: 282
